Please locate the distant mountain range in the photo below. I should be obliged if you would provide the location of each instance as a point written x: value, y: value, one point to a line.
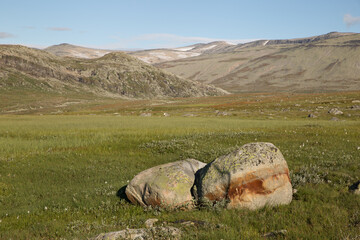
x: 151, y: 56
x: 329, y: 62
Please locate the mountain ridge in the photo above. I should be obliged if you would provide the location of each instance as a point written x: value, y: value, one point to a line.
x: 328, y: 62
x: 25, y: 71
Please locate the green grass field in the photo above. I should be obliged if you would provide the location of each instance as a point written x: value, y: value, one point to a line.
x: 60, y: 175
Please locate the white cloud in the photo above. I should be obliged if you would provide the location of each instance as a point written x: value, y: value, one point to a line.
x: 60, y: 29
x: 350, y: 20
x: 6, y: 35
x: 165, y: 40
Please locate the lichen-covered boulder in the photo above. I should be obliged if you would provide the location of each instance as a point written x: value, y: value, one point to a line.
x: 168, y: 185
x: 251, y: 177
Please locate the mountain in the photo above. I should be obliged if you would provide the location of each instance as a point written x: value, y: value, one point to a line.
x: 328, y: 62
x: 149, y: 56
x: 25, y: 71
x: 68, y: 50
x: 154, y: 56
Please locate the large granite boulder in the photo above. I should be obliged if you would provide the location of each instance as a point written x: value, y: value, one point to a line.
x: 251, y: 177
x: 168, y: 185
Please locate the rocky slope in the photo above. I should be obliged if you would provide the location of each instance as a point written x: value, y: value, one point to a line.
x: 328, y: 62
x: 113, y: 75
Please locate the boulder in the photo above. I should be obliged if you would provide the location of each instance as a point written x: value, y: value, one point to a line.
x: 251, y: 177
x: 168, y: 185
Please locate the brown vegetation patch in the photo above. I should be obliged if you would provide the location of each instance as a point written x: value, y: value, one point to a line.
x: 233, y: 60
x: 331, y: 65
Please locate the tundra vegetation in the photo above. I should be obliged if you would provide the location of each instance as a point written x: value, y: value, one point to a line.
x: 63, y: 168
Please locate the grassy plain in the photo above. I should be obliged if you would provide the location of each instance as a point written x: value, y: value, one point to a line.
x: 60, y: 174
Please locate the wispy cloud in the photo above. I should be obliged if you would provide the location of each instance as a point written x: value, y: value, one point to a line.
x: 165, y: 40
x: 350, y: 20
x: 59, y: 29
x: 29, y: 27
x: 6, y: 35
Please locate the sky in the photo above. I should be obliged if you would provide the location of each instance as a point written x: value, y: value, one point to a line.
x: 146, y: 24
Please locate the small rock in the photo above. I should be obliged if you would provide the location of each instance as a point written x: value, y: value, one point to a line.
x: 145, y: 114
x: 311, y: 115
x: 355, y: 101
x: 222, y: 114
x: 334, y: 119
x: 280, y: 233
x: 335, y: 111
x: 297, y: 105
x: 189, y: 115
x: 150, y: 222
x: 355, y: 188
x: 355, y: 107
x: 142, y: 233
x: 294, y: 190
x: 166, y: 115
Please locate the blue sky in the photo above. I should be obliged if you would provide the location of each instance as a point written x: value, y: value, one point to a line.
x: 128, y: 24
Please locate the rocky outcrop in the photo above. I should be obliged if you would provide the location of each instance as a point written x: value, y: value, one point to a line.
x: 142, y: 233
x: 251, y: 177
x: 168, y: 185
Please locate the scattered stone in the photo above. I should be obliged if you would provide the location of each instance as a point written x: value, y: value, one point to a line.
x: 297, y: 105
x: 280, y: 233
x: 335, y: 111
x: 320, y: 107
x: 192, y: 223
x: 166, y: 115
x: 311, y: 116
x: 355, y: 188
x: 355, y: 101
x: 150, y: 222
x: 142, y: 233
x: 218, y: 113
x: 189, y: 115
x: 145, y: 114
x: 251, y: 177
x: 355, y: 107
x: 334, y: 119
x: 168, y: 185
x: 295, y: 190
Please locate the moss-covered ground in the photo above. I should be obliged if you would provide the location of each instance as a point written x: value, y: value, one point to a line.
x: 60, y: 174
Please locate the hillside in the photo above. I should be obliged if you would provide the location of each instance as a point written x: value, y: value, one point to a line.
x: 328, y: 62
x: 68, y: 50
x: 30, y: 75
x: 154, y: 56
